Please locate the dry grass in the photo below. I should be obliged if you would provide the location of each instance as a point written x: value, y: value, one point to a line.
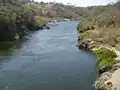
x: 106, y: 20
x: 110, y: 36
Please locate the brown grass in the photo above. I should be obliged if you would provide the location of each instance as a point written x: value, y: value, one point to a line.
x: 110, y: 36
x: 106, y: 20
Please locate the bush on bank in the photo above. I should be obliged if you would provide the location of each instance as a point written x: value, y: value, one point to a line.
x: 104, y: 53
x: 106, y: 58
x: 39, y: 21
x: 83, y: 36
x: 85, y: 25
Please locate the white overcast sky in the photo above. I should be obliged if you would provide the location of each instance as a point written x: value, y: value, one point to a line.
x: 81, y: 2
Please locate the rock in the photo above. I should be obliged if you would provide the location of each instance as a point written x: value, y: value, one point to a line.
x: 87, y: 44
x: 104, y: 82
x: 100, y: 83
x: 17, y: 37
x: 103, y: 69
x: 46, y: 27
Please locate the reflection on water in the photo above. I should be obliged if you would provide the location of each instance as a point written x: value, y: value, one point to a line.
x: 8, y: 48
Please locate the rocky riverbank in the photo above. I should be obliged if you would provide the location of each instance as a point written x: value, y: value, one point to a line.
x: 108, y: 74
x: 100, y: 33
x: 108, y: 77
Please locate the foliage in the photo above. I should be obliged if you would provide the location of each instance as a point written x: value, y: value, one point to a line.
x: 83, y: 35
x: 20, y: 16
x: 58, y: 10
x: 109, y: 62
x: 103, y: 53
x: 105, y: 16
x: 106, y: 23
x: 39, y: 21
x: 105, y: 57
x: 16, y: 18
x: 3, y: 17
x: 85, y: 25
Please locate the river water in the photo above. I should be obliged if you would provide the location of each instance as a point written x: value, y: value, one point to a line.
x: 47, y: 60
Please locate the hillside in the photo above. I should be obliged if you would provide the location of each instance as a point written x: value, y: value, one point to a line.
x: 17, y: 17
x: 59, y: 11
x: 100, y: 32
x: 103, y: 25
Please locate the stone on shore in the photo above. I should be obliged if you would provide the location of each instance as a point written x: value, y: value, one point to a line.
x: 87, y: 44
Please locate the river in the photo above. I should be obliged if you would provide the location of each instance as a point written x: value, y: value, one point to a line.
x: 47, y: 60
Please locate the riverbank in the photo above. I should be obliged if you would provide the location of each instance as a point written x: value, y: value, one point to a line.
x: 100, y: 33
x: 18, y: 18
x: 108, y: 76
x: 108, y: 79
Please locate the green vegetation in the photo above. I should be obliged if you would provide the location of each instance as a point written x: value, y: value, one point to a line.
x: 103, y: 24
x: 109, y: 62
x: 39, y: 21
x: 83, y: 36
x: 103, y: 53
x: 20, y: 16
x: 4, y: 17
x: 58, y: 10
x: 105, y: 57
x: 16, y: 18
x: 85, y: 25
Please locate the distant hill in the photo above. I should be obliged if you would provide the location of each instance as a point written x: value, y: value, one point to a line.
x: 58, y: 10
x: 18, y: 17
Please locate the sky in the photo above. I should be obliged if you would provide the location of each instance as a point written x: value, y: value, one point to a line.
x: 81, y: 2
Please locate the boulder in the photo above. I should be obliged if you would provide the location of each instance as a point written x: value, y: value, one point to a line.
x: 86, y: 44
x: 44, y: 26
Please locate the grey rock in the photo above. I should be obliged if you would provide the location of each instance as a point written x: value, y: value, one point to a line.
x: 87, y: 44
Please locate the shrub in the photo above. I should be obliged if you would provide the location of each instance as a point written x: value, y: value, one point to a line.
x: 39, y: 21
x: 17, y: 18
x: 105, y: 59
x: 3, y: 17
x: 104, y: 53
x: 83, y: 36
x: 108, y: 62
x: 85, y: 25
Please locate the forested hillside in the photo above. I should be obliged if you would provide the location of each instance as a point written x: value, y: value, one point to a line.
x: 20, y: 16
x: 57, y: 10
x: 16, y: 19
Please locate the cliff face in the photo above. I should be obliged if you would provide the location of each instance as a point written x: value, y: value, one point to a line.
x: 100, y: 33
